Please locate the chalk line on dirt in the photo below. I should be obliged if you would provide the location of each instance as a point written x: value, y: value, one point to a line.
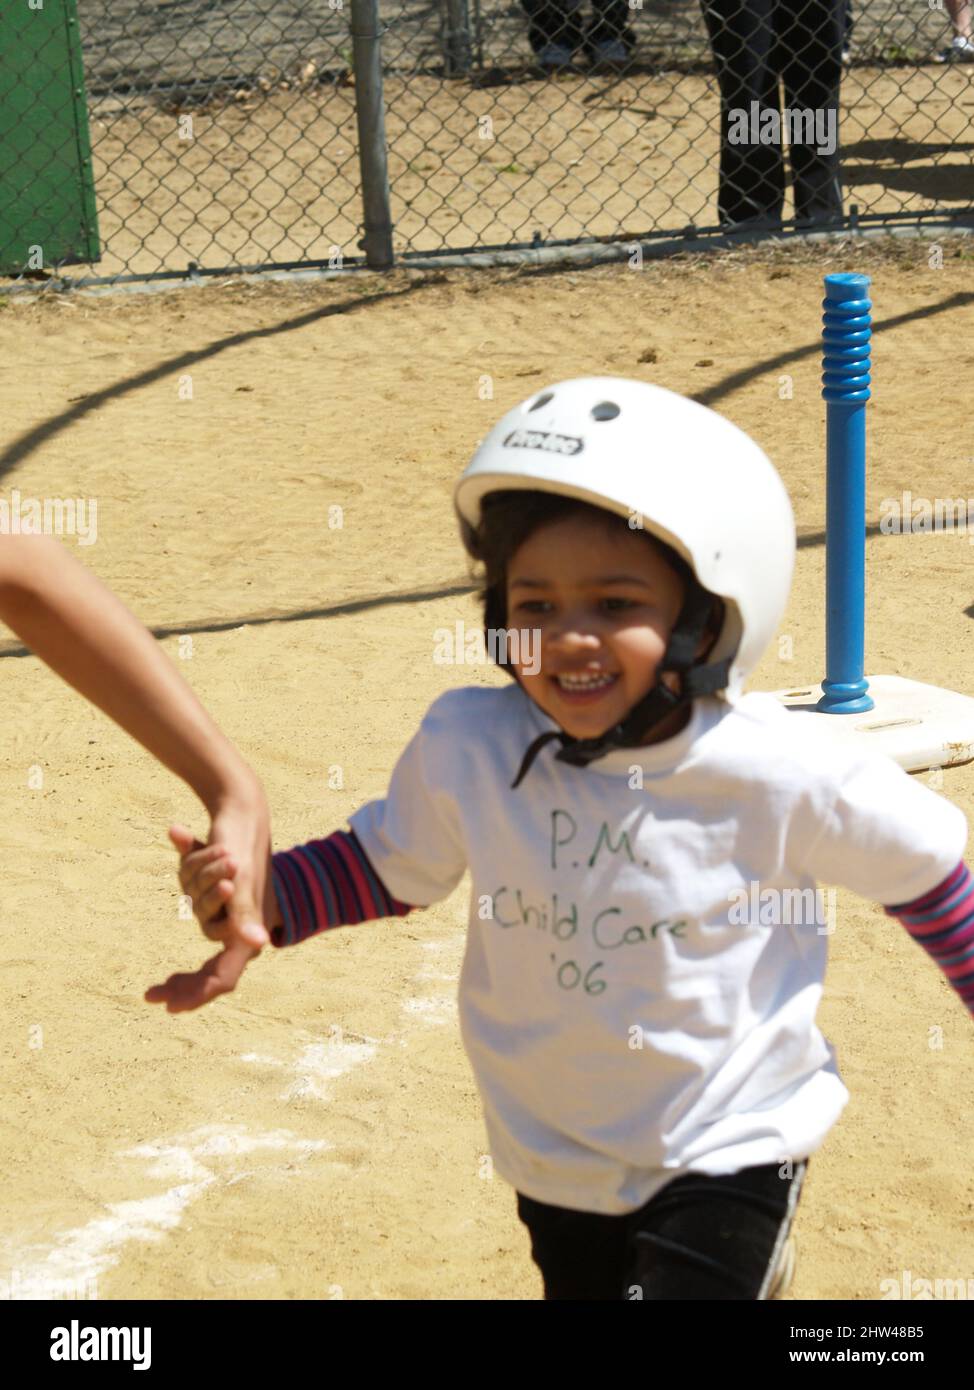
x: 71, y: 1265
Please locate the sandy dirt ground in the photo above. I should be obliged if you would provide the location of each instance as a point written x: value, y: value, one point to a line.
x: 318, y: 1134
x: 275, y: 176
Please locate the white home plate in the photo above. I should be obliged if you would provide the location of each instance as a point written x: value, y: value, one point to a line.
x: 917, y: 725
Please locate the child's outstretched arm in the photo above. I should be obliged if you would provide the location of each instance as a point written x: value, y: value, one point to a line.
x: 408, y: 843
x: 87, y: 635
x: 326, y: 883
x: 889, y: 837
x: 942, y: 922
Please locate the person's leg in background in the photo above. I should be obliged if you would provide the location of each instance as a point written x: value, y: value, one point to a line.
x: 708, y: 1237
x: 581, y: 1254
x: 555, y: 30
x: 609, y: 39
x: 961, y: 49
x: 810, y: 37
x: 752, y: 180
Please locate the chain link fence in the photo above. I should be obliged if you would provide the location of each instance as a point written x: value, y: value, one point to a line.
x: 251, y: 134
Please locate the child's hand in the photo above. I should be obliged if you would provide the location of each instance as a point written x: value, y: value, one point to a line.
x: 226, y: 880
x: 209, y: 875
x: 219, y: 975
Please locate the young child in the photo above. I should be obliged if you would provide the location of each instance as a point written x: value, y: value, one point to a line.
x: 652, y: 1077
x: 88, y: 637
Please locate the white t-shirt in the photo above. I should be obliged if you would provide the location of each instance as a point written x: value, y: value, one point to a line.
x: 629, y: 1011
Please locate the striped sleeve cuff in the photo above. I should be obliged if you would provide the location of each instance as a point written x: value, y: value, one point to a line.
x: 328, y: 883
x: 942, y: 921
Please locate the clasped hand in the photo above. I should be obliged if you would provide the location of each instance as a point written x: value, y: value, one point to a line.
x: 228, y: 880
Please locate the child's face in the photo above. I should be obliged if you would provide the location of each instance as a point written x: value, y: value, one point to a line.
x: 604, y: 602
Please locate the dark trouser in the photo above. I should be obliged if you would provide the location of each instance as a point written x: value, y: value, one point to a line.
x: 560, y: 21
x: 756, y: 42
x: 701, y: 1237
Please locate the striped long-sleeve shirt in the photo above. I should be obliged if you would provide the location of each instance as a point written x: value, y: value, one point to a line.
x: 330, y: 883
x: 942, y: 921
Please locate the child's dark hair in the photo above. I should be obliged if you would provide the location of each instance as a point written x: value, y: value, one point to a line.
x: 510, y: 517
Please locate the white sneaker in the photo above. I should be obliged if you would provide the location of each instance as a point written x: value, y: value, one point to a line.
x: 961, y: 50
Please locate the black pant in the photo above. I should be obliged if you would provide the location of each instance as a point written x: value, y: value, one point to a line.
x: 701, y: 1237
x: 560, y: 21
x: 756, y: 43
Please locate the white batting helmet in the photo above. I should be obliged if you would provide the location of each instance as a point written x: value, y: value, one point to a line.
x: 695, y: 480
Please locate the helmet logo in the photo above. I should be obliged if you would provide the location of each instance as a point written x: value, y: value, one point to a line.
x: 542, y: 439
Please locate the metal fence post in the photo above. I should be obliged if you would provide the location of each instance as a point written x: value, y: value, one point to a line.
x: 371, y: 120
x: 458, y: 44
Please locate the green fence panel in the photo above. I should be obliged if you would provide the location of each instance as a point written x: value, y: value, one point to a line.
x: 47, y: 192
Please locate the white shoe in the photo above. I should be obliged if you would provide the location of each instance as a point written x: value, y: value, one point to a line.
x: 961, y: 50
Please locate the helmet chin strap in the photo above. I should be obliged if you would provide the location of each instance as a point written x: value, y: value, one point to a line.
x: 658, y: 703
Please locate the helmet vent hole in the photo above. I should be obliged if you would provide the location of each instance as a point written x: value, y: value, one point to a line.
x: 605, y: 410
x: 543, y: 399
